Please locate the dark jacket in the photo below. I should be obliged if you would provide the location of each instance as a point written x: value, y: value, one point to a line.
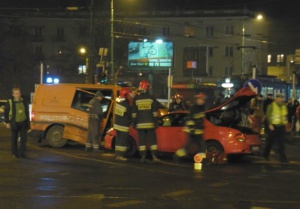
x: 95, y: 109
x: 174, y: 106
x: 12, y: 121
x: 123, y: 116
x: 144, y: 111
x: 195, y: 121
x: 267, y: 102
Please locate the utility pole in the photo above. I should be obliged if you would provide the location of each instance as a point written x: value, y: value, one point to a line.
x: 91, y: 45
x: 112, y: 65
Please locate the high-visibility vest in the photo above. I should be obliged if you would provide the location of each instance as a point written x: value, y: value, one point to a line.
x: 279, y: 114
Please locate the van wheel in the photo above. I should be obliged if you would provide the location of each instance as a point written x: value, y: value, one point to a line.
x: 132, y: 148
x: 55, y: 136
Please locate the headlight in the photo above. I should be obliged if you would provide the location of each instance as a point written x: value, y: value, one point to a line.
x: 240, y: 137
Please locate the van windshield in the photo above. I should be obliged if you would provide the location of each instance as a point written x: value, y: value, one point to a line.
x: 81, y: 102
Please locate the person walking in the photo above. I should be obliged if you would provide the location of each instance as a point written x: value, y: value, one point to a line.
x: 16, y: 117
x: 177, y: 104
x: 122, y: 123
x: 266, y: 103
x: 258, y: 114
x: 277, y: 119
x: 195, y: 128
x: 95, y: 118
x: 145, y: 120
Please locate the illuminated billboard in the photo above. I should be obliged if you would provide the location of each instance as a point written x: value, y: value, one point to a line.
x: 150, y: 54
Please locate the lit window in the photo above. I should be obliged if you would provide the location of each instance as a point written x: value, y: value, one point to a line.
x: 280, y: 58
x: 81, y: 69
x: 269, y: 58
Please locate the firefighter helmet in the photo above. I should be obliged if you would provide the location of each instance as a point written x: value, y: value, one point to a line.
x: 124, y: 92
x: 201, y: 96
x: 144, y: 85
x: 178, y: 96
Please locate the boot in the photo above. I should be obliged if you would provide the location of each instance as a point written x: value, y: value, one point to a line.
x: 121, y: 158
x: 155, y: 159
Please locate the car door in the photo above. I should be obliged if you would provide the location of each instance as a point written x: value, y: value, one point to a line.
x: 170, y: 134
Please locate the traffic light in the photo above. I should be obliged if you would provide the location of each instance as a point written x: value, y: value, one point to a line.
x: 102, y: 75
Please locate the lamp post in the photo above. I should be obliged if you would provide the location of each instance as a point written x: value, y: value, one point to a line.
x: 82, y: 51
x: 112, y: 65
x: 259, y: 17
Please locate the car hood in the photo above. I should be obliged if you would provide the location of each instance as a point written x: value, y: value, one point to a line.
x: 237, y: 101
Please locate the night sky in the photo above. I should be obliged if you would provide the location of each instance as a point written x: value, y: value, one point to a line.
x: 272, y: 8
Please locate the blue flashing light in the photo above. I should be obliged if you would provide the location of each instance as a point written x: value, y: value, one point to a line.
x: 56, y: 80
x: 49, y: 80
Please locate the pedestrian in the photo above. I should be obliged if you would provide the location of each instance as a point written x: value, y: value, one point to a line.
x: 291, y: 113
x: 266, y: 103
x: 195, y: 128
x: 145, y: 120
x: 177, y: 104
x: 258, y: 114
x: 95, y: 119
x: 219, y: 99
x: 122, y: 123
x: 132, y: 94
x: 16, y: 117
x: 277, y: 119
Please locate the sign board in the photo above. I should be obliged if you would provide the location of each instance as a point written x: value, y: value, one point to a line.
x: 149, y: 55
x: 254, y: 85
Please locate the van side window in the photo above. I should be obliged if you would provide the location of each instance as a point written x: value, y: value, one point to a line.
x: 81, y: 102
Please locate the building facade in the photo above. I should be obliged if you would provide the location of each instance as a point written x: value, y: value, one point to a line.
x: 208, y: 45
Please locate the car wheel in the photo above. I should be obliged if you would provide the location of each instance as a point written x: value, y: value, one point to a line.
x: 214, y: 150
x: 132, y: 148
x: 55, y: 136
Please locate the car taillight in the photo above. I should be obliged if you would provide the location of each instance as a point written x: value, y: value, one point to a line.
x: 240, y: 137
x: 32, y: 116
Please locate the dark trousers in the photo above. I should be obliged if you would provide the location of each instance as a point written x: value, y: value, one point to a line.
x: 121, y: 143
x: 18, y: 128
x: 196, y: 144
x: 93, y: 133
x: 276, y: 136
x: 144, y: 135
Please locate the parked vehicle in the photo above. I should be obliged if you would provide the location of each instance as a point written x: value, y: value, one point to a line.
x: 60, y: 112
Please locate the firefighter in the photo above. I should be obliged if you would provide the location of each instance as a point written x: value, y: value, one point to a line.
x: 145, y: 120
x: 122, y: 123
x: 177, y: 104
x: 195, y: 128
x: 95, y: 119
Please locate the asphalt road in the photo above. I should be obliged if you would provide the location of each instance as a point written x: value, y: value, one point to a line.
x: 69, y: 178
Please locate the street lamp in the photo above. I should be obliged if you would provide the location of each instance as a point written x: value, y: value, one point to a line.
x: 83, y: 51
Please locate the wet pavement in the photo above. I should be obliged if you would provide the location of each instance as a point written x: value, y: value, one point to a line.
x: 69, y: 178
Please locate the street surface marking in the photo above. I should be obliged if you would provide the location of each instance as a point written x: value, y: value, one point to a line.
x: 178, y: 193
x: 125, y: 203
